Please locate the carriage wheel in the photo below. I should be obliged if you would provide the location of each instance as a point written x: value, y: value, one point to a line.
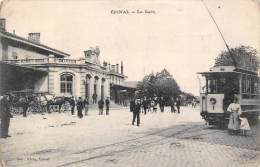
x: 14, y: 110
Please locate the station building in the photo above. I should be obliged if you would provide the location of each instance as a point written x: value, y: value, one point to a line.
x: 26, y: 63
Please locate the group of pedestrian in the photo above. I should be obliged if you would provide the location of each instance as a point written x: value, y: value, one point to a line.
x: 81, y: 105
x: 101, y: 104
x: 236, y: 121
x: 145, y: 105
x: 150, y: 104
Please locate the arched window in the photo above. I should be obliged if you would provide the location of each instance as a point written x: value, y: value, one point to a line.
x: 66, y: 83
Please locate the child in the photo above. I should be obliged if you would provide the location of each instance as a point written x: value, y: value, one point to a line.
x: 244, y: 125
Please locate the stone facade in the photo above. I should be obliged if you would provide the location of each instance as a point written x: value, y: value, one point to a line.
x: 65, y: 77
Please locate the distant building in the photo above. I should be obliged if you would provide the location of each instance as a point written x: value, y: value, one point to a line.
x: 28, y: 64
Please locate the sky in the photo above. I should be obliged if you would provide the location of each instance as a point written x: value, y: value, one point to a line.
x: 179, y: 35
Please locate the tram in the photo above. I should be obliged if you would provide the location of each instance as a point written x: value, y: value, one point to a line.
x: 222, y: 84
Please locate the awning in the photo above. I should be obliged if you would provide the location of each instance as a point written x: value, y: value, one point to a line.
x: 14, y: 77
x: 122, y: 87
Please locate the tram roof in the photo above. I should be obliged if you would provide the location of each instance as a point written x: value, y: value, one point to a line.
x: 228, y: 69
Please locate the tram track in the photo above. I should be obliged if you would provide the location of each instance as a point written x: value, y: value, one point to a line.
x: 125, y: 141
x: 157, y: 137
x: 145, y: 141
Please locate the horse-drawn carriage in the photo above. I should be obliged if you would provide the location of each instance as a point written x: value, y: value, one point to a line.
x: 37, y: 102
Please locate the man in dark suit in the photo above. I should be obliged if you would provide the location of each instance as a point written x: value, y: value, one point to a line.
x: 136, y: 112
x: 161, y: 104
x: 132, y: 105
x: 101, y: 106
x: 80, y: 106
x: 172, y: 105
x: 145, y: 105
x: 86, y: 103
x: 94, y: 97
x: 72, y: 105
x: 178, y: 104
x: 107, y: 105
x: 5, y: 116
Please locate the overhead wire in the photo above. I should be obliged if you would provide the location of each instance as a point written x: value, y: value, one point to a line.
x: 210, y: 14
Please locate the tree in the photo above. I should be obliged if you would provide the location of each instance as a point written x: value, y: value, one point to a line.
x: 160, y: 84
x: 147, y: 86
x: 245, y: 57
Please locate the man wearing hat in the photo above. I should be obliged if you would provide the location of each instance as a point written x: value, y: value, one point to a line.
x: 136, y: 112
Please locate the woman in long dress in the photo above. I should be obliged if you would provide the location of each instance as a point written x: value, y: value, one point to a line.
x: 234, y: 122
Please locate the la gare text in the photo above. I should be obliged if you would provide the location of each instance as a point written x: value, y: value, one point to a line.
x: 126, y: 11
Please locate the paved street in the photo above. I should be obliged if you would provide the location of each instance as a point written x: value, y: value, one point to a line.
x: 163, y: 139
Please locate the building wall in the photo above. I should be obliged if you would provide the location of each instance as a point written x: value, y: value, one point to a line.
x: 53, y: 82
x: 4, y: 51
x: 117, y: 80
x: 23, y: 53
x: 41, y: 85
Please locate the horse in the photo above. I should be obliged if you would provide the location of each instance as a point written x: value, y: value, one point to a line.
x: 60, y: 101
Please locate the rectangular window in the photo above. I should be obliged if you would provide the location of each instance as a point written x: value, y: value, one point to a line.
x: 244, y: 84
x: 256, y: 86
x: 66, y: 83
x: 248, y: 83
x: 69, y: 88
x: 212, y: 86
x: 62, y: 88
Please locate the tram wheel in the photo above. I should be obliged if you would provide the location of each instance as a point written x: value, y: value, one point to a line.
x: 254, y: 120
x: 221, y: 125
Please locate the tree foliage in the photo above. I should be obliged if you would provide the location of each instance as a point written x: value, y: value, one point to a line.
x: 159, y: 84
x: 245, y: 57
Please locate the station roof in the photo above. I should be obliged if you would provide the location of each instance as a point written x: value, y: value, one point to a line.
x: 123, y: 87
x: 131, y: 84
x: 34, y: 45
x: 228, y: 69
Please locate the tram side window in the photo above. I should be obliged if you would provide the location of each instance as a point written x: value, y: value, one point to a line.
x: 243, y: 84
x: 221, y: 83
x: 256, y: 86
x: 246, y: 84
x: 252, y: 85
x: 249, y: 86
x: 212, y: 85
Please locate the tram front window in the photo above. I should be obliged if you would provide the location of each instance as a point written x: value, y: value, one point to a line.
x: 223, y: 84
x: 212, y: 86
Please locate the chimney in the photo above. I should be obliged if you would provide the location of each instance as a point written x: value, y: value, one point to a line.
x: 109, y: 68
x: 2, y: 24
x: 105, y: 64
x: 97, y: 51
x: 34, y: 37
x: 122, y: 68
x: 117, y: 65
x: 113, y: 68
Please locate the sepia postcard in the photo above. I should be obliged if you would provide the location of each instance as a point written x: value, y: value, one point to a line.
x: 129, y: 83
